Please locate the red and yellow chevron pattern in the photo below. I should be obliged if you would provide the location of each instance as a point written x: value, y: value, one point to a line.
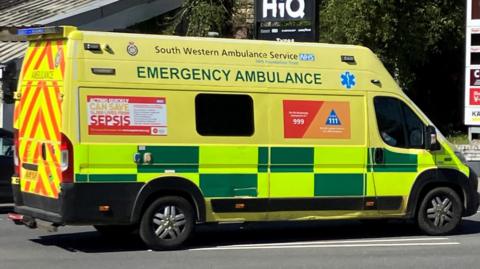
x: 38, y: 118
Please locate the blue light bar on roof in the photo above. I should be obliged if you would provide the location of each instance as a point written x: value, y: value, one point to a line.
x: 40, y: 31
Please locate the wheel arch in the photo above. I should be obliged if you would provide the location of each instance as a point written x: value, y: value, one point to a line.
x: 432, y: 178
x: 171, y: 185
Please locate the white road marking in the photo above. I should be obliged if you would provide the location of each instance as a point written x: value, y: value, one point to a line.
x: 333, y: 246
x: 341, y: 242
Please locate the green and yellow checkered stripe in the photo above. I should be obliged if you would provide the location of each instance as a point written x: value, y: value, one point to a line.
x: 248, y: 171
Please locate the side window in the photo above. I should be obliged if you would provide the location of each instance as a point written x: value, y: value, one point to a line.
x: 398, y: 124
x: 390, y: 121
x: 415, y: 128
x: 224, y: 114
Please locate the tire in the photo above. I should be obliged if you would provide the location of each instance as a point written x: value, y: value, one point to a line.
x: 440, y: 211
x: 167, y: 223
x: 115, y: 230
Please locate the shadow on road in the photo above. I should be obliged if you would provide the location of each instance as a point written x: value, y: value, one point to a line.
x: 6, y: 208
x: 468, y: 227
x: 92, y: 242
x: 255, y: 233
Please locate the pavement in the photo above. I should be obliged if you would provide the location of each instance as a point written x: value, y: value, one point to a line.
x: 327, y: 244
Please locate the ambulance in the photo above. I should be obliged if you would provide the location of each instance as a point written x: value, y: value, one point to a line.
x: 156, y: 134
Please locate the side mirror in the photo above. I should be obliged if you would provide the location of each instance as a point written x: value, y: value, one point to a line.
x: 431, y: 141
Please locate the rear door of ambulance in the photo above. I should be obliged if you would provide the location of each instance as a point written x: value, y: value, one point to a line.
x: 38, y: 127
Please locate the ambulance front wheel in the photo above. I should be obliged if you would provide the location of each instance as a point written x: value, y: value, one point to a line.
x: 167, y: 223
x: 440, y: 211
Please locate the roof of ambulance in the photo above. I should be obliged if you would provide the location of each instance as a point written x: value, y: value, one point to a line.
x: 182, y: 40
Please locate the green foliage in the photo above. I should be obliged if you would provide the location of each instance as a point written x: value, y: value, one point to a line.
x: 405, y: 34
x: 198, y: 17
x: 458, y: 139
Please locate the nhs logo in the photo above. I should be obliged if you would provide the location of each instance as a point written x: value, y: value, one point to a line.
x: 307, y: 57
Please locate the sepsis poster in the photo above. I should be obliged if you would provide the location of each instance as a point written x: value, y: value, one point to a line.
x: 316, y: 119
x: 126, y: 115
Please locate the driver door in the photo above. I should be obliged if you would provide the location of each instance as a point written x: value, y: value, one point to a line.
x: 397, y: 153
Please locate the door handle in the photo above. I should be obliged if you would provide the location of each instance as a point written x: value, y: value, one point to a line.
x: 44, y: 151
x: 379, y: 156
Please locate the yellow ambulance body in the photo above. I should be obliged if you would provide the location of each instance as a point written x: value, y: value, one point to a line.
x: 157, y: 133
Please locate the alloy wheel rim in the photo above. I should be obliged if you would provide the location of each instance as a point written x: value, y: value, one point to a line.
x: 440, y: 212
x: 169, y: 222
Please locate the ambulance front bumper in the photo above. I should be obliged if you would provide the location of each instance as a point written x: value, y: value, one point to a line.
x: 472, y: 197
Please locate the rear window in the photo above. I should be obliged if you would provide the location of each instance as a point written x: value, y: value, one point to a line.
x: 224, y: 115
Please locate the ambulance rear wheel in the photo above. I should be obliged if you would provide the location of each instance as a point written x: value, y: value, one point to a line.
x: 167, y: 223
x: 440, y: 211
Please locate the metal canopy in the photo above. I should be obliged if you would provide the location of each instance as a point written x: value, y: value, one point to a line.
x: 102, y: 15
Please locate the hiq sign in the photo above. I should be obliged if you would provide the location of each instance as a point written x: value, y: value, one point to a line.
x: 280, y: 10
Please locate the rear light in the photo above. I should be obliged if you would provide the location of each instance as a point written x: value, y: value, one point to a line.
x: 16, y: 160
x: 66, y: 165
x: 15, y: 217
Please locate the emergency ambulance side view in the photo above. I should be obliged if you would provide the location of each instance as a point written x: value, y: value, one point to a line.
x: 156, y: 134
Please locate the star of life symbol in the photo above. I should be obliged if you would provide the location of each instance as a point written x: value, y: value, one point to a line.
x: 348, y: 80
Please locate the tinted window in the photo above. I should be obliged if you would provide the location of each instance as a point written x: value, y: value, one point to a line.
x: 415, y: 128
x: 224, y: 115
x: 399, y: 126
x: 6, y: 147
x: 390, y: 121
